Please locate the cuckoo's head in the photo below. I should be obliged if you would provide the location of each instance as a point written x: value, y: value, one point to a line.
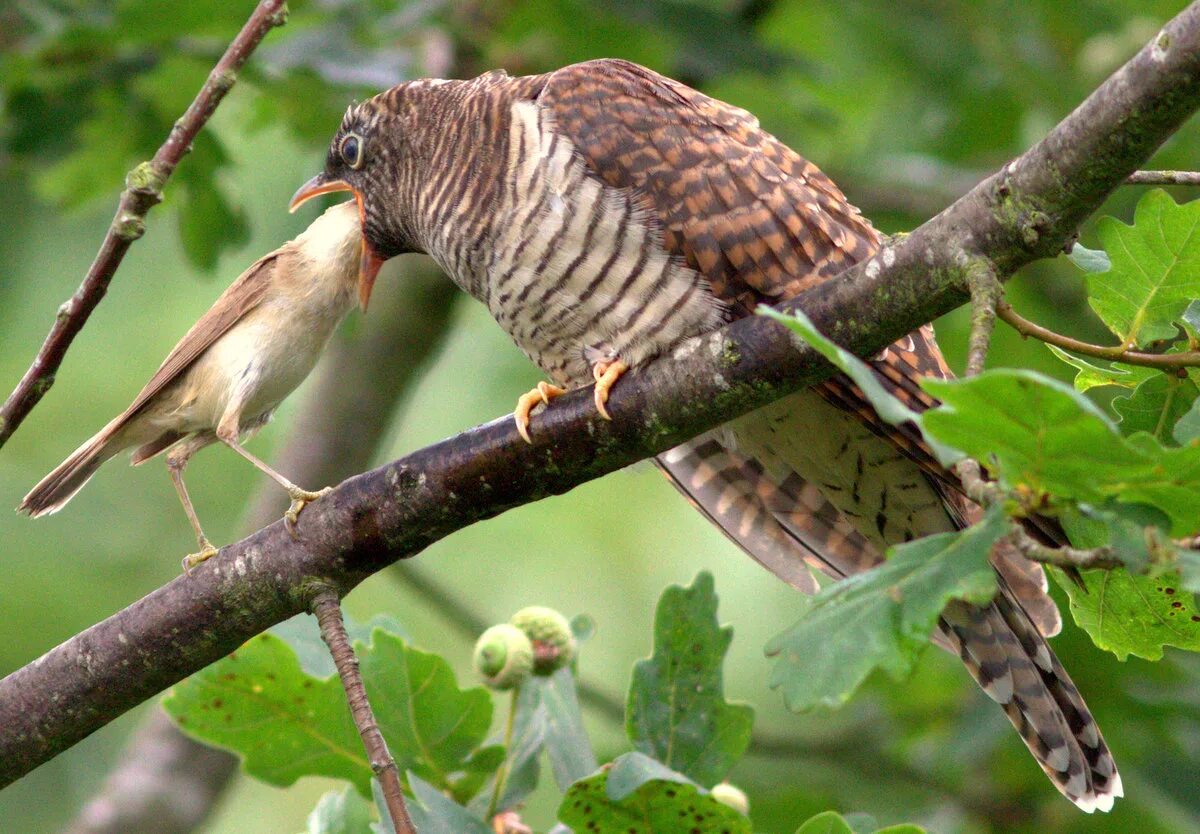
x: 366, y: 158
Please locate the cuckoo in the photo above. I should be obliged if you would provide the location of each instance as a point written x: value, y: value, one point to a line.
x: 603, y: 213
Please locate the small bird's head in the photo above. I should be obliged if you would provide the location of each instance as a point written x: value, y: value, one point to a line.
x: 360, y: 161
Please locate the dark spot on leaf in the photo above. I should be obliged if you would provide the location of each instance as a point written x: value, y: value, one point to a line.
x: 217, y: 703
x: 1168, y: 591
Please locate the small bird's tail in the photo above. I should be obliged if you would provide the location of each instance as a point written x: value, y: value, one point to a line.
x: 60, y: 486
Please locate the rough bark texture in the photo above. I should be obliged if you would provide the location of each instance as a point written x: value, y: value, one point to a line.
x: 1027, y: 210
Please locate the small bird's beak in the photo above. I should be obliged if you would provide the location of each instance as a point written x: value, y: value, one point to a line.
x: 369, y: 263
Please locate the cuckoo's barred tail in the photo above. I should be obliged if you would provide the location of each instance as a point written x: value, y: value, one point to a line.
x: 1011, y: 661
x: 788, y: 525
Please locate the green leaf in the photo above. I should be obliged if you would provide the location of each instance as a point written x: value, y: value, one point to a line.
x: 340, y: 812
x: 655, y: 806
x: 432, y: 727
x: 1156, y: 405
x: 566, y: 741
x: 1187, y: 428
x: 888, y: 407
x: 1155, y: 271
x: 676, y: 711
x: 881, y: 618
x: 285, y: 723
x: 1130, y: 614
x: 1037, y: 433
x: 1089, y: 260
x: 433, y: 812
x: 521, y: 769
x: 1189, y: 570
x: 632, y: 770
x: 1092, y: 376
x: 828, y: 822
x: 1191, y: 319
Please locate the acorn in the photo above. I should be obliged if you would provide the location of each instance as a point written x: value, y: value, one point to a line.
x: 732, y: 796
x: 503, y: 656
x: 550, y: 633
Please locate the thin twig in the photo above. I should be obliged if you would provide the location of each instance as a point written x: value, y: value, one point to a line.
x: 986, y: 291
x: 1116, y: 353
x: 327, y: 608
x: 143, y: 191
x: 1063, y: 557
x: 1164, y: 178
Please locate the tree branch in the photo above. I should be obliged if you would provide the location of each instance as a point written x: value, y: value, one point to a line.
x: 143, y: 191
x: 1116, y: 353
x: 1026, y: 211
x: 327, y: 608
x: 166, y: 782
x: 1164, y: 178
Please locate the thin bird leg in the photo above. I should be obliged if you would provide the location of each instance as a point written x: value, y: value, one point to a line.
x: 300, y: 497
x: 177, y: 461
x: 606, y: 372
x: 544, y: 393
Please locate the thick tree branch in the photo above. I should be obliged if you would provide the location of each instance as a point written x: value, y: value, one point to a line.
x: 1028, y: 210
x: 143, y: 191
x: 166, y: 782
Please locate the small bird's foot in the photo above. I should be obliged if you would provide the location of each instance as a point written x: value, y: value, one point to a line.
x: 606, y: 373
x: 509, y: 822
x: 207, y: 551
x: 544, y: 393
x: 301, y: 498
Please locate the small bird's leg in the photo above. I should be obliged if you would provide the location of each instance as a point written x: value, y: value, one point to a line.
x: 606, y: 372
x: 228, y: 434
x: 544, y: 393
x: 177, y: 461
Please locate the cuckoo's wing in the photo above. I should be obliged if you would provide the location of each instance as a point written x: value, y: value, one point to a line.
x: 759, y: 221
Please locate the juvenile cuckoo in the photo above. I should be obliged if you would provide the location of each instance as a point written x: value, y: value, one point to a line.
x: 603, y: 213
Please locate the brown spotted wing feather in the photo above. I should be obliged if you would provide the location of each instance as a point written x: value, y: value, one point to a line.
x: 762, y: 224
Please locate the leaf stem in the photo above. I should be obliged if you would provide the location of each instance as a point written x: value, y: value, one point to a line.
x: 327, y: 608
x: 1063, y: 557
x: 1115, y: 353
x: 502, y: 771
x: 143, y: 190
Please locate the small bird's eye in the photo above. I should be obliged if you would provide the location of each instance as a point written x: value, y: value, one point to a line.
x: 352, y: 150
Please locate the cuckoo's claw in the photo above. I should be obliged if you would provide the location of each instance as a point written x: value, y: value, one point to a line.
x: 301, y: 498
x: 207, y: 551
x: 606, y: 373
x: 544, y: 393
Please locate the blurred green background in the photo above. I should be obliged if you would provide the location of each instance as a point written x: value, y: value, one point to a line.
x: 905, y: 104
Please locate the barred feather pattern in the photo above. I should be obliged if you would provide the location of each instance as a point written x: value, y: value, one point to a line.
x: 605, y: 211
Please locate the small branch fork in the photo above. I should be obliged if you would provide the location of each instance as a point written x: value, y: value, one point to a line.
x: 143, y: 191
x: 327, y: 608
x: 986, y: 305
x: 1117, y: 353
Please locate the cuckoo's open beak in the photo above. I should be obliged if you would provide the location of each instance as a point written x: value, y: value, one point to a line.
x: 369, y: 264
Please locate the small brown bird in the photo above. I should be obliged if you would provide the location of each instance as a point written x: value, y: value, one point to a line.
x: 233, y: 368
x: 604, y: 213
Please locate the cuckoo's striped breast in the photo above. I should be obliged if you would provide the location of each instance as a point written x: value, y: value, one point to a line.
x: 575, y: 270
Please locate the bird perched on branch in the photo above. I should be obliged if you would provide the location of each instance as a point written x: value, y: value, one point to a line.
x: 603, y: 213
x: 233, y: 368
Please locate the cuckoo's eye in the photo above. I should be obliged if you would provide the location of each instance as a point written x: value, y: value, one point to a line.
x: 352, y: 150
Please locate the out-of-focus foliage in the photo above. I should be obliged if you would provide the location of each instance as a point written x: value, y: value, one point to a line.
x: 905, y: 105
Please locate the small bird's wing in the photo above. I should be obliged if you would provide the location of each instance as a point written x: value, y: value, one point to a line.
x: 243, y: 295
